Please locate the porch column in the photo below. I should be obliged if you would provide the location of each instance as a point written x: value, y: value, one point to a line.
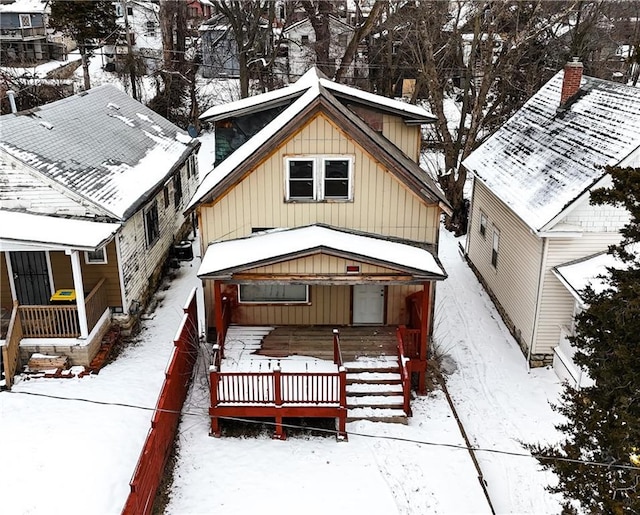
x: 79, y: 287
x: 217, y: 306
x: 424, y: 334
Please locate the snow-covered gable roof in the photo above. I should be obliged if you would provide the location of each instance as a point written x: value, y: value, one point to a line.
x: 222, y: 258
x: 100, y: 145
x: 543, y: 158
x: 21, y: 231
x: 24, y: 6
x: 306, y: 21
x: 313, y: 77
x: 315, y: 90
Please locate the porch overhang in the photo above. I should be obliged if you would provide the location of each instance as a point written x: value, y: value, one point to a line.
x: 32, y: 232
x: 245, y: 259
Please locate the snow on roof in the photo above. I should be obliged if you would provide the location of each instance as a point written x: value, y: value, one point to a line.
x: 592, y: 270
x: 243, y: 252
x: 543, y: 158
x: 315, y: 78
x: 24, y: 6
x: 50, y: 231
x: 101, y: 144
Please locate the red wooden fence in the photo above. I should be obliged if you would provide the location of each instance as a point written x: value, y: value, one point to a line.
x: 164, y: 423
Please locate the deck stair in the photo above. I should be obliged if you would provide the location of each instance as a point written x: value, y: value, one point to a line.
x: 374, y: 390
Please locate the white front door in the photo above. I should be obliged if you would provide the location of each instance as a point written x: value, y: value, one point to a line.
x: 368, y: 304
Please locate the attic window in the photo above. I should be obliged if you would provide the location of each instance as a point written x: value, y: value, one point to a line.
x: 318, y: 178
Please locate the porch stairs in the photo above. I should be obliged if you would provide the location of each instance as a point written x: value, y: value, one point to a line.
x: 374, y: 390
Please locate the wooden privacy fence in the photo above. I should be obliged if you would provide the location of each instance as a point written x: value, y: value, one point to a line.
x: 164, y: 423
x: 278, y: 394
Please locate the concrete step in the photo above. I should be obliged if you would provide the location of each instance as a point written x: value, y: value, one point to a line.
x: 396, y: 416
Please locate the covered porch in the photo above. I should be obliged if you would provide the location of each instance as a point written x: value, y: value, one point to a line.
x: 54, y: 301
x: 363, y: 302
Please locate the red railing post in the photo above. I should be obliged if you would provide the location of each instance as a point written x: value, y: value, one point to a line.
x: 214, y: 379
x: 342, y: 419
x: 336, y: 345
x: 277, y: 398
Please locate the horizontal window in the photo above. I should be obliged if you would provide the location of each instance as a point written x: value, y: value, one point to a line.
x: 273, y: 293
x: 318, y: 178
x: 96, y: 257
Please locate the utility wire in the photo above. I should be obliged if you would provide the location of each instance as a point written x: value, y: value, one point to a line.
x: 335, y: 432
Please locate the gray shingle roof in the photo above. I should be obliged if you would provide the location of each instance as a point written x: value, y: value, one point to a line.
x: 542, y: 159
x: 101, y: 145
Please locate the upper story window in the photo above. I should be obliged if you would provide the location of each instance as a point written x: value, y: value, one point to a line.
x: 177, y: 189
x: 304, y: 40
x: 151, y: 29
x: 151, y: 224
x: 318, y: 178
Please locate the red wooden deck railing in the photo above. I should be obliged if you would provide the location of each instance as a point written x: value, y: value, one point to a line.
x: 279, y: 394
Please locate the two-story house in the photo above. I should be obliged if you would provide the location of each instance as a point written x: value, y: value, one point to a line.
x: 317, y: 216
x: 23, y: 36
x: 530, y: 210
x: 92, y: 193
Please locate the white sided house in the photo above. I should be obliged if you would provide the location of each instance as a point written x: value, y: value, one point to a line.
x: 530, y: 210
x: 93, y: 189
x: 315, y: 217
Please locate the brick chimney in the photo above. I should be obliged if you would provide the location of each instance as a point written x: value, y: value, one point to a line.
x: 571, y: 81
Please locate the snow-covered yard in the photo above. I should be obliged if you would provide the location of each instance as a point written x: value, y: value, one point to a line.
x: 85, y: 452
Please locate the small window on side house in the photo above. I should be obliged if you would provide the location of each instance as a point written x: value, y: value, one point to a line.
x: 177, y: 189
x: 165, y: 193
x: 96, y: 257
x: 151, y: 29
x: 483, y: 224
x: 129, y: 11
x: 495, y: 247
x: 151, y: 224
x: 305, y: 40
x: 273, y: 293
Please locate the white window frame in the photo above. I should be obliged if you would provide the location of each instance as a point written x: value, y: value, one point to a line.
x: 244, y: 301
x: 103, y: 261
x: 495, y: 247
x: 484, y: 220
x: 318, y: 177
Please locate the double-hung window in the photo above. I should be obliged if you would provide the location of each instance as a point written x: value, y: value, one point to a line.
x: 495, y: 247
x: 151, y: 224
x: 318, y: 178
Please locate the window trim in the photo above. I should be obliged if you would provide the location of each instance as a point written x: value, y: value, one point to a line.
x: 307, y: 300
x: 318, y: 177
x: 146, y: 211
x: 89, y: 261
x: 495, y: 247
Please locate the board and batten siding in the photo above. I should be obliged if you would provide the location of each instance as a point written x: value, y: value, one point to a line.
x: 141, y: 263
x: 600, y: 227
x: 6, y: 302
x: 381, y: 203
x: 406, y: 137
x: 320, y: 264
x: 514, y: 281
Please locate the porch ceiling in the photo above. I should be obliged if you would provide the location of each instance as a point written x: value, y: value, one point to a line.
x: 231, y: 260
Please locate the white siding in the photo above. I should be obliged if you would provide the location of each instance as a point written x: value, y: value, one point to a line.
x: 592, y: 218
x: 514, y: 281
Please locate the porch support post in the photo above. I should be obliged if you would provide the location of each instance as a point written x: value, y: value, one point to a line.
x: 217, y: 306
x: 424, y: 335
x: 79, y: 287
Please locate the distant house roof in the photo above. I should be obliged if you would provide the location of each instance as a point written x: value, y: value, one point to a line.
x: 311, y: 93
x: 544, y: 158
x: 306, y: 20
x: 226, y: 257
x: 101, y: 149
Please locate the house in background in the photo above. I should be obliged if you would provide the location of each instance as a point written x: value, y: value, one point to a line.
x: 23, y: 32
x: 92, y: 198
x: 530, y: 210
x: 317, y: 217
x: 297, y: 53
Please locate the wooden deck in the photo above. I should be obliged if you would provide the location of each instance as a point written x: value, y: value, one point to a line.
x: 317, y: 342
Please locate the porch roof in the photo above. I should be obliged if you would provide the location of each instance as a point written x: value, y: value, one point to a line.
x: 224, y: 258
x: 23, y: 231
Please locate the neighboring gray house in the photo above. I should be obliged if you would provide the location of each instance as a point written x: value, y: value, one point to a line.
x: 92, y: 194
x: 219, y: 49
x: 530, y: 211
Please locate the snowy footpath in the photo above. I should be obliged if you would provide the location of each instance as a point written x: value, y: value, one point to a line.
x: 72, y: 456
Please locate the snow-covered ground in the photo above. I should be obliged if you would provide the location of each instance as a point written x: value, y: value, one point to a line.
x: 85, y: 453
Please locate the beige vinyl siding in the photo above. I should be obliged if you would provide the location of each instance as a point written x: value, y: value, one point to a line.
x: 556, y: 304
x: 514, y: 281
x: 396, y: 303
x: 405, y: 137
x: 320, y: 264
x: 381, y: 203
x: 330, y: 305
